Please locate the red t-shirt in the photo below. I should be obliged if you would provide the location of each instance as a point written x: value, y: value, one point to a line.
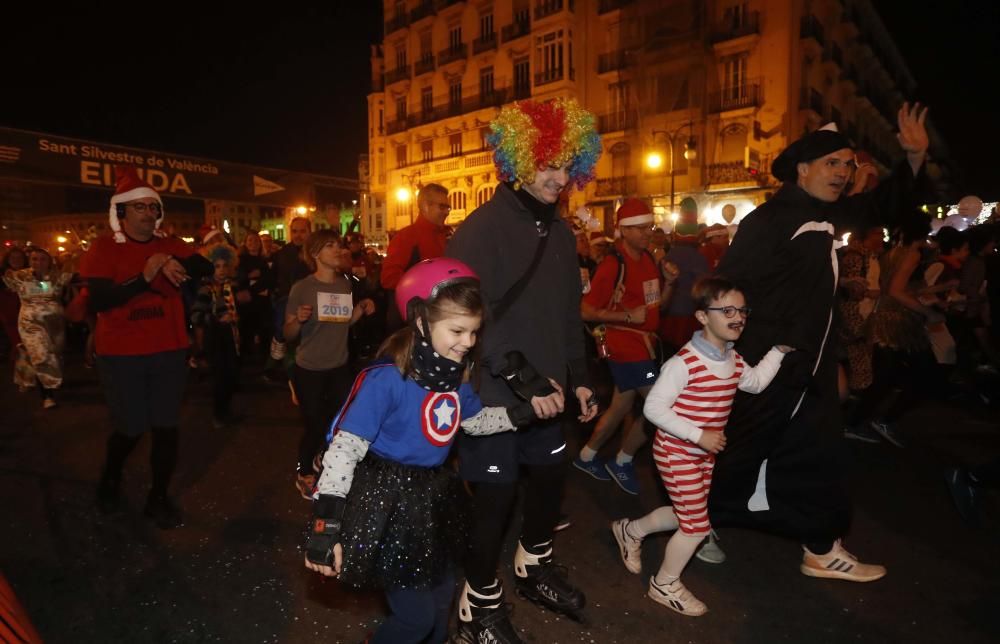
x: 642, y: 286
x: 150, y: 322
x: 428, y: 237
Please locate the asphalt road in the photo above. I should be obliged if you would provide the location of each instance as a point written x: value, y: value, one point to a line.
x: 233, y: 572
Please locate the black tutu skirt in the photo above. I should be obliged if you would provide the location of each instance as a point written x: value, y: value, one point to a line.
x: 404, y: 526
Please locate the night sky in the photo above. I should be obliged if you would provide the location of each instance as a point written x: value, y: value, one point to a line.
x: 284, y: 84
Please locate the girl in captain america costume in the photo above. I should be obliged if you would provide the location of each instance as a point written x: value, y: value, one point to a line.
x: 387, y: 514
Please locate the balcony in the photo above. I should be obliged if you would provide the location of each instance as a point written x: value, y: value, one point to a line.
x: 728, y: 172
x: 626, y: 185
x: 452, y: 54
x: 515, y: 30
x: 612, y: 61
x: 444, y: 4
x: 607, y: 6
x: 750, y: 25
x: 398, y: 74
x: 421, y: 11
x: 486, y: 42
x: 552, y: 75
x: 392, y: 127
x: 424, y: 65
x: 444, y: 107
x: 546, y: 8
x: 811, y: 28
x: 811, y: 99
x: 616, y: 121
x: 738, y: 97
x: 522, y: 92
x: 399, y: 22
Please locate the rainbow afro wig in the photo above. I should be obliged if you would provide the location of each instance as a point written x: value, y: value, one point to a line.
x: 529, y: 136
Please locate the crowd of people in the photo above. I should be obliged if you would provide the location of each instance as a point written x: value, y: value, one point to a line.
x: 495, y: 330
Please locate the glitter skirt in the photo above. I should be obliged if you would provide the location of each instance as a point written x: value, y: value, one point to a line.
x: 404, y: 526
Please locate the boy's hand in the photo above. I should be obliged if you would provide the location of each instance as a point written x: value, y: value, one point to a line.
x: 303, y: 313
x: 712, y: 442
x: 784, y: 348
x: 332, y: 570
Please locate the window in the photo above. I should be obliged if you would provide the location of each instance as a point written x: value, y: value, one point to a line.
x: 549, y: 56
x: 483, y: 195
x: 400, y: 56
x: 484, y: 143
x: 425, y: 45
x: 522, y: 78
x: 734, y: 82
x: 486, y: 27
x: 455, y: 144
x: 618, y: 103
x: 400, y: 156
x: 455, y: 95
x: 427, y: 150
x: 486, y: 82
x: 455, y: 38
x: 522, y: 12
x: 457, y: 200
x: 620, y: 157
x: 401, y: 108
x: 400, y: 8
x: 736, y: 15
x: 427, y: 102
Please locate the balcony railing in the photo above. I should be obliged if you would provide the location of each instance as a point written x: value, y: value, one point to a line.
x: 728, y: 172
x: 616, y: 121
x: 729, y: 30
x: 398, y: 74
x: 626, y: 185
x: 737, y: 97
x: 552, y: 75
x: 424, y: 65
x: 810, y: 27
x: 522, y: 92
x: 397, y: 23
x: 611, y: 61
x: 515, y: 30
x: 452, y: 54
x: 445, y: 107
x: 604, y: 6
x: 811, y: 99
x: 444, y: 4
x: 392, y: 127
x: 484, y: 43
x: 545, y: 8
x: 422, y: 10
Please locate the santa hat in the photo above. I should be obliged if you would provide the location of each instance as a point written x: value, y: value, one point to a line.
x: 129, y: 187
x: 715, y: 230
x: 634, y: 212
x: 597, y: 237
x: 207, y: 232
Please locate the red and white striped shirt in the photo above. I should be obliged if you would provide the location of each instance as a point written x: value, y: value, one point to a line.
x: 694, y: 393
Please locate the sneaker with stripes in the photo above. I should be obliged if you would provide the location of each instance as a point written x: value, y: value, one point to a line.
x: 629, y: 547
x: 676, y: 596
x: 839, y: 564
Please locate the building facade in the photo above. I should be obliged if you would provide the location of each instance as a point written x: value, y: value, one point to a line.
x: 693, y: 97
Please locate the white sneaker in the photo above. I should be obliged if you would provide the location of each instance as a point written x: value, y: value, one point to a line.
x: 676, y: 597
x: 629, y: 547
x: 839, y: 564
x: 710, y: 552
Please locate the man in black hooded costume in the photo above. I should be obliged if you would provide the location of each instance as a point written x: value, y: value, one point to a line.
x: 781, y: 470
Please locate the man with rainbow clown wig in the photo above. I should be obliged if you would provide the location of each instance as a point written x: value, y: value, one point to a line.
x: 531, y: 350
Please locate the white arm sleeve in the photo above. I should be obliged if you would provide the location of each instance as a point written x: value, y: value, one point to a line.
x: 756, y: 379
x: 341, y: 457
x: 673, y: 378
x: 489, y: 420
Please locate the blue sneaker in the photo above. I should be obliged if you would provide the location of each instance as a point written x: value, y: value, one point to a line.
x: 595, y: 468
x: 624, y: 476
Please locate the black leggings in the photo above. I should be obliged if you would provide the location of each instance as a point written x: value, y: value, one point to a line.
x: 225, y: 363
x: 544, y: 485
x: 915, y: 373
x: 320, y: 394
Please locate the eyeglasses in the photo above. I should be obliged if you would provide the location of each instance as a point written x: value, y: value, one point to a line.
x: 642, y: 228
x: 730, y: 311
x: 141, y: 207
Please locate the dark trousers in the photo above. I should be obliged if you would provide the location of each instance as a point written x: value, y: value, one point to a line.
x: 225, y: 362
x: 320, y: 394
x: 417, y: 615
x: 914, y: 373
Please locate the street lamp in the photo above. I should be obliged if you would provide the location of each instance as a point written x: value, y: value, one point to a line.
x: 654, y: 160
x: 404, y: 194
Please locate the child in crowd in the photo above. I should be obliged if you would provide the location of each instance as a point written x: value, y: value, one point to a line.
x: 214, y: 312
x: 388, y: 513
x: 690, y: 404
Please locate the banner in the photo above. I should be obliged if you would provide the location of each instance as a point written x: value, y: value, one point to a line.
x: 46, y: 158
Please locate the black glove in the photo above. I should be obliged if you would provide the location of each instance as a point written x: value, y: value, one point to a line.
x: 523, y: 379
x: 521, y: 414
x: 325, y: 534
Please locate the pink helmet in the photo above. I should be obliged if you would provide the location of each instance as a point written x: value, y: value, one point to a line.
x: 425, y: 278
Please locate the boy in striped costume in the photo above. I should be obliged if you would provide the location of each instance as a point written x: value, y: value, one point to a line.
x: 689, y: 404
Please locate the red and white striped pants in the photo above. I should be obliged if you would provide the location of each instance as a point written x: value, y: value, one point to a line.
x: 688, y: 479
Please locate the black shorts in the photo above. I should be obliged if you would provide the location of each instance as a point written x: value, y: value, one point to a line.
x: 496, y: 458
x: 144, y: 391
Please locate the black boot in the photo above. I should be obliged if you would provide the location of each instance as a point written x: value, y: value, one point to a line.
x: 543, y: 582
x: 483, y: 616
x: 163, y: 460
x: 119, y: 446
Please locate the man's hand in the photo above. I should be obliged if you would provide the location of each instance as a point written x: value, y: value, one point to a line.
x: 864, y: 172
x: 153, y: 266
x: 175, y: 273
x: 588, y: 404
x: 548, y: 406
x: 637, y: 315
x: 913, y: 134
x: 303, y: 313
x: 328, y: 571
x: 364, y: 307
x: 712, y: 442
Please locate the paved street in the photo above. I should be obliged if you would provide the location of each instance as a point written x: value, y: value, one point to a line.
x: 233, y: 573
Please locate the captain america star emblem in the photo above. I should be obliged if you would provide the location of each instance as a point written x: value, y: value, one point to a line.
x: 440, y: 416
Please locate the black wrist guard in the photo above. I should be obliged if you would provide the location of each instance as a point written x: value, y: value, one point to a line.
x: 521, y: 414
x: 579, y: 375
x: 523, y: 379
x: 325, y: 533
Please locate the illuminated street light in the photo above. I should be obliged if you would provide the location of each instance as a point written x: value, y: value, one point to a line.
x: 301, y: 210
x: 654, y: 160
x: 61, y: 249
x: 61, y: 239
x: 403, y: 194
